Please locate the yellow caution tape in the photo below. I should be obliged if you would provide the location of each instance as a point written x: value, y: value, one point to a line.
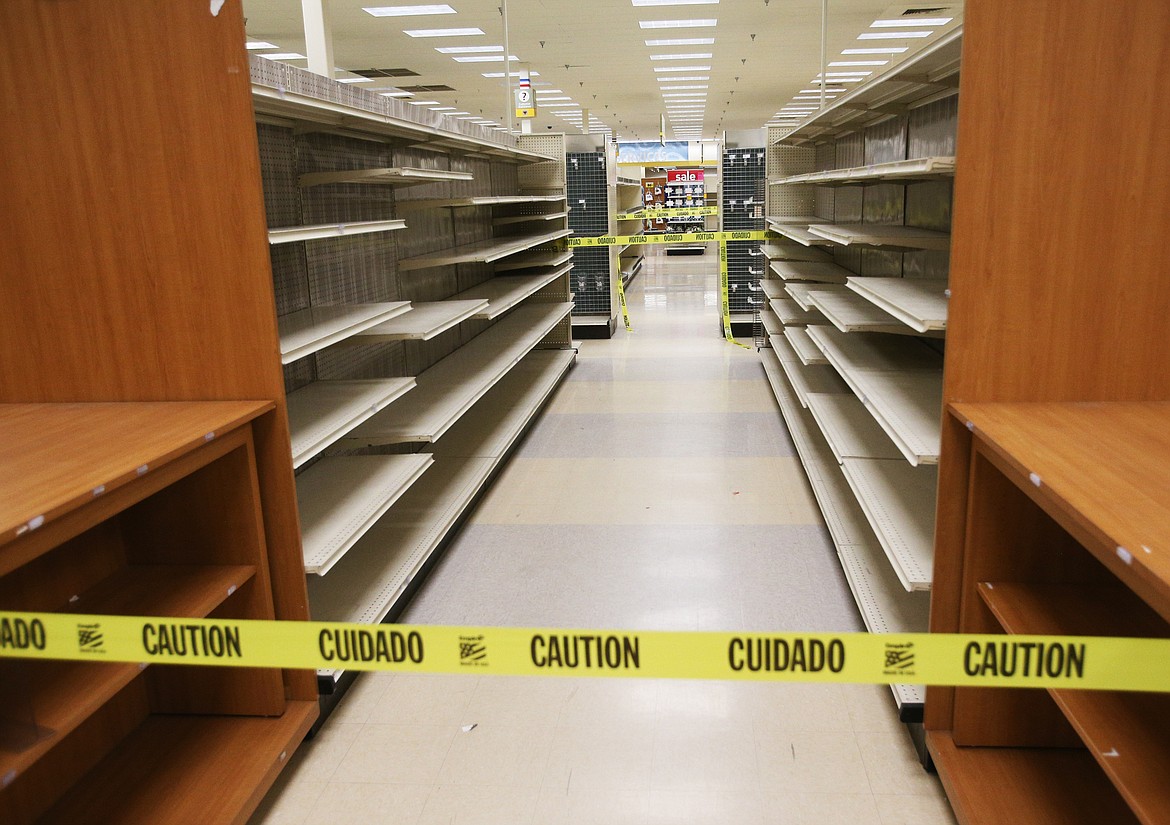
x: 621, y: 291
x: 724, y: 297
x: 1094, y: 663
x: 673, y: 212
x: 673, y: 237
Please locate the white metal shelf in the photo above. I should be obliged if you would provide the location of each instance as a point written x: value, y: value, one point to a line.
x: 881, y: 234
x: 506, y: 409
x: 920, y: 303
x: 374, y: 574
x: 805, y: 380
x: 486, y: 251
x: 309, y: 330
x: 289, y: 234
x: 799, y: 292
x: 798, y: 229
x: 849, y: 312
x: 478, y: 200
x: 849, y: 428
x: 896, y: 171
x: 424, y: 321
x: 853, y: 352
x: 794, y: 252
x: 907, y: 402
x: 389, y: 176
x: 323, y: 412
x: 790, y: 313
x: 503, y: 292
x: 804, y: 348
x: 534, y: 261
x: 899, y: 502
x: 448, y: 389
x: 771, y: 323
x: 772, y: 289
x: 884, y: 604
x: 340, y: 498
x: 815, y: 271
x: 544, y: 216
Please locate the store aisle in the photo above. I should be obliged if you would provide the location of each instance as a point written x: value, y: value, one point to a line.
x: 659, y: 490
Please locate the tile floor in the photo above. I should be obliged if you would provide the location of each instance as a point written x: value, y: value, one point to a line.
x: 660, y: 490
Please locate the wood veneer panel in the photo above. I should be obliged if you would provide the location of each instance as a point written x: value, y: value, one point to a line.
x: 993, y: 786
x: 146, y: 160
x: 1059, y: 234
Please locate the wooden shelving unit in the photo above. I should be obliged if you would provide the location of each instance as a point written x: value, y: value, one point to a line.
x: 309, y: 330
x: 291, y: 234
x: 390, y: 176
x: 1053, y: 513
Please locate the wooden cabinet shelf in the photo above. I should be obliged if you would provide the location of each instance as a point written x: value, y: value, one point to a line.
x: 424, y: 321
x: 481, y: 251
x: 341, y: 497
x: 325, y: 411
x: 919, y: 303
x: 449, y: 388
x: 393, y: 176
x: 291, y: 234
x: 163, y: 590
x: 314, y: 328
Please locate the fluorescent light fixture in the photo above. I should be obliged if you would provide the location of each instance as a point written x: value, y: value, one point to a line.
x: 468, y: 32
x: 682, y: 79
x: 549, y: 92
x: 877, y: 50
x: 695, y: 56
x: 406, y: 11
x: 541, y: 100
x: 682, y: 68
x: 284, y: 56
x: 443, y: 109
x: 680, y: 97
x: 423, y: 102
x: 260, y: 44
x: 682, y: 41
x: 455, y: 114
x: 485, y: 58
x: 917, y: 21
x: 510, y: 74
x: 891, y: 35
x: 812, y: 97
x: 397, y: 94
x: 468, y: 49
x: 859, y: 63
x: 678, y: 24
x: 674, y: 2
x: 846, y: 75
x: 817, y: 91
x: 676, y: 88
x: 355, y: 80
x: 561, y: 106
x: 472, y: 117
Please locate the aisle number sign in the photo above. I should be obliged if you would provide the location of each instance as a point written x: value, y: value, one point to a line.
x: 1076, y: 662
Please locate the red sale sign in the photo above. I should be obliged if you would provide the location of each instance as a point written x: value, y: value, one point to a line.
x: 684, y: 176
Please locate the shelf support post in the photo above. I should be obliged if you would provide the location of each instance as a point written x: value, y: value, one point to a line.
x: 318, y: 37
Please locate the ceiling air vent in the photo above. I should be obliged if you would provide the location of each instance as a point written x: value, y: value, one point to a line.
x: 427, y: 89
x: 385, y: 72
x: 912, y: 12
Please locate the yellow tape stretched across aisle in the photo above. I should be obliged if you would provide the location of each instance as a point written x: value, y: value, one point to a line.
x: 673, y: 237
x: 1095, y: 663
x: 669, y: 212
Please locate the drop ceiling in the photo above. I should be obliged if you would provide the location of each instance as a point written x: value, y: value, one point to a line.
x: 766, y: 52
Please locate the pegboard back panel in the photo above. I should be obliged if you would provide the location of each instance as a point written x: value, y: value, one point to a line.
x: 825, y: 207
x: 546, y: 174
x: 784, y: 161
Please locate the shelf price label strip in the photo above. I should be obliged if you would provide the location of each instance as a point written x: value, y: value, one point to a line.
x: 725, y: 299
x: 1094, y: 663
x: 673, y: 237
x: 671, y: 212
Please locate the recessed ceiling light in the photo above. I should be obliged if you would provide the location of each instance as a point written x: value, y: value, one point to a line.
x: 423, y: 102
x: 817, y: 90
x: 355, y: 80
x: 845, y: 75
x: 859, y: 63
x: 918, y: 21
x: 260, y: 44
x: 696, y: 56
x: 456, y: 114
x: 467, y: 49
x: 544, y: 101
x: 678, y: 24
x: 469, y: 32
x: 877, y: 50
x: 472, y: 117
x: 562, y: 105
x: 678, y: 88
x: 443, y: 109
x: 397, y: 94
x: 549, y: 92
x: 891, y: 35
x: 510, y: 74
x: 674, y: 2
x: 682, y: 68
x: 680, y: 79
x: 406, y: 11
x: 682, y: 41
x: 686, y: 95
x: 813, y: 97
x: 484, y: 58
x: 285, y: 56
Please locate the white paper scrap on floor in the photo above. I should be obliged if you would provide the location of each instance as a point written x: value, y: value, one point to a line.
x: 659, y: 490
